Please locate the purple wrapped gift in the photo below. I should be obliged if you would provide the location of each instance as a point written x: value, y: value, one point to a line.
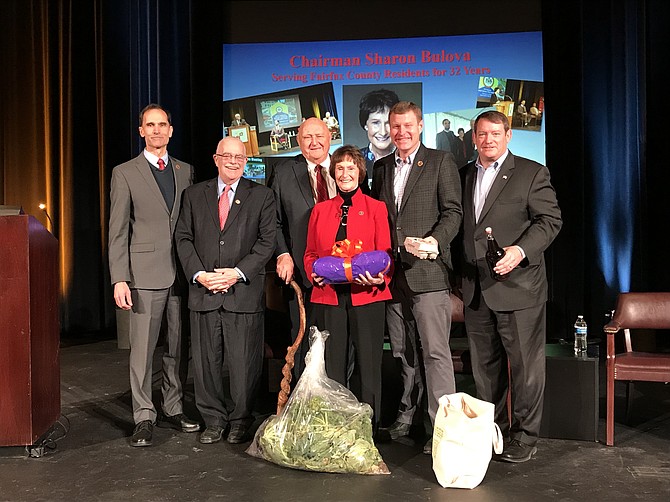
x: 340, y: 270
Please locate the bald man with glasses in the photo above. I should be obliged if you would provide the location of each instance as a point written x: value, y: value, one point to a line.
x: 225, y: 236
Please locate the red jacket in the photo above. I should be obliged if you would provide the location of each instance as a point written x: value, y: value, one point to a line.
x: 368, y: 221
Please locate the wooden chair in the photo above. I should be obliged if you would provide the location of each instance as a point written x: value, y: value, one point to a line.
x: 635, y: 311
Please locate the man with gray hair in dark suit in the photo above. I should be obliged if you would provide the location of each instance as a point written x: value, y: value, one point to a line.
x: 422, y: 192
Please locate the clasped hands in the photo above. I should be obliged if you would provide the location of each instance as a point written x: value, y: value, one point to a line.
x: 220, y: 280
x: 424, y: 249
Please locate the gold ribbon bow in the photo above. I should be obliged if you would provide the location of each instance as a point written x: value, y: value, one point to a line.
x: 347, y: 250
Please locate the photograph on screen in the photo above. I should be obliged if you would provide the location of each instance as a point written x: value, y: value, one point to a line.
x: 528, y: 97
x: 365, y: 115
x: 491, y: 90
x: 255, y: 170
x: 452, y: 132
x: 274, y: 118
x: 284, y: 111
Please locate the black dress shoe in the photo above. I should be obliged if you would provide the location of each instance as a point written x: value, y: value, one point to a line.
x: 142, y: 434
x: 212, y: 434
x: 515, y: 451
x: 398, y: 430
x: 237, y: 433
x: 179, y: 422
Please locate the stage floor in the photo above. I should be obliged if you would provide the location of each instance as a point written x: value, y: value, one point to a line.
x: 93, y: 461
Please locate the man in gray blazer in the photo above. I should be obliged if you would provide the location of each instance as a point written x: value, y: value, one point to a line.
x: 421, y: 189
x: 225, y: 236
x: 445, y: 140
x: 505, y: 320
x: 145, y: 199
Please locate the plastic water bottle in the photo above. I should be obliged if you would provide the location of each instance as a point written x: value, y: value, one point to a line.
x: 580, y: 336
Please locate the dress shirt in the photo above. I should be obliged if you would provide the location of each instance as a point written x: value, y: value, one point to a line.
x: 153, y: 159
x: 485, y: 179
x: 330, y: 182
x: 220, y: 187
x: 402, y: 170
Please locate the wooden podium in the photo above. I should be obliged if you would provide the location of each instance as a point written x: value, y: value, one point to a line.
x: 29, y: 331
x: 506, y: 108
x: 248, y: 136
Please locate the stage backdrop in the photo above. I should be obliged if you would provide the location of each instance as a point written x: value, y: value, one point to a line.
x: 449, y: 77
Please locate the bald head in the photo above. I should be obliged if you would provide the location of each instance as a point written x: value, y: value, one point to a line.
x: 230, y: 159
x: 230, y: 142
x: 314, y: 140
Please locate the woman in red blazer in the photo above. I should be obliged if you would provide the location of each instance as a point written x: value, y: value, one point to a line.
x: 352, y: 313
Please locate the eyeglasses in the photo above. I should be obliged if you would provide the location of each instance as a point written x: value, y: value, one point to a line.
x: 227, y: 157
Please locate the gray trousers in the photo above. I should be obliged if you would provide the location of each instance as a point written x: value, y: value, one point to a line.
x: 432, y: 316
x: 146, y: 318
x: 404, y: 344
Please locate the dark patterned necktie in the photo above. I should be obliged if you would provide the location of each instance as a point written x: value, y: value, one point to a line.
x: 321, y: 187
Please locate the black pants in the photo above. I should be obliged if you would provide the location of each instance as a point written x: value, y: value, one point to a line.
x: 227, y: 361
x: 363, y: 327
x: 518, y: 337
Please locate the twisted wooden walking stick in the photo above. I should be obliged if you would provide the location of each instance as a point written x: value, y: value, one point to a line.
x: 290, y: 353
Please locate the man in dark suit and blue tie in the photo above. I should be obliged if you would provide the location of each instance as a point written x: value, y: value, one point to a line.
x: 421, y: 189
x: 145, y: 199
x: 505, y: 321
x: 225, y: 236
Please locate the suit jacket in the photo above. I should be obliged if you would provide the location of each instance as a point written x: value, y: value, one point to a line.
x: 522, y: 210
x: 431, y: 206
x: 293, y: 193
x: 469, y: 145
x: 246, y: 242
x: 368, y: 221
x: 141, y: 226
x: 444, y: 140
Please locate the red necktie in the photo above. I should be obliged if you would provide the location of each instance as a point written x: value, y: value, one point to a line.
x: 161, y: 165
x: 321, y: 187
x: 224, y: 206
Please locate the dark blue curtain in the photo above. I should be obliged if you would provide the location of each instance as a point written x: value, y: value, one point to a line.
x: 614, y: 114
x: 602, y: 74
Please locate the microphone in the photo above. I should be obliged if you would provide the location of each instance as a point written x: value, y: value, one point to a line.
x: 43, y: 207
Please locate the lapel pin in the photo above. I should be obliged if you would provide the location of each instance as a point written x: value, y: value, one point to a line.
x: 237, y: 201
x: 360, y: 213
x: 420, y: 163
x: 504, y: 176
x: 177, y: 166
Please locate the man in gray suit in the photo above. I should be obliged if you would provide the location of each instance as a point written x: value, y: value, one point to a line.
x: 445, y: 140
x: 145, y: 199
x: 505, y: 321
x: 421, y: 189
x: 225, y: 236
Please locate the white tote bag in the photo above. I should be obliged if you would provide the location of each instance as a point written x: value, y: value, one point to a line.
x: 463, y: 437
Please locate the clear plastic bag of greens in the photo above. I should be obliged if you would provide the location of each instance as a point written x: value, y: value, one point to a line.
x: 323, y: 427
